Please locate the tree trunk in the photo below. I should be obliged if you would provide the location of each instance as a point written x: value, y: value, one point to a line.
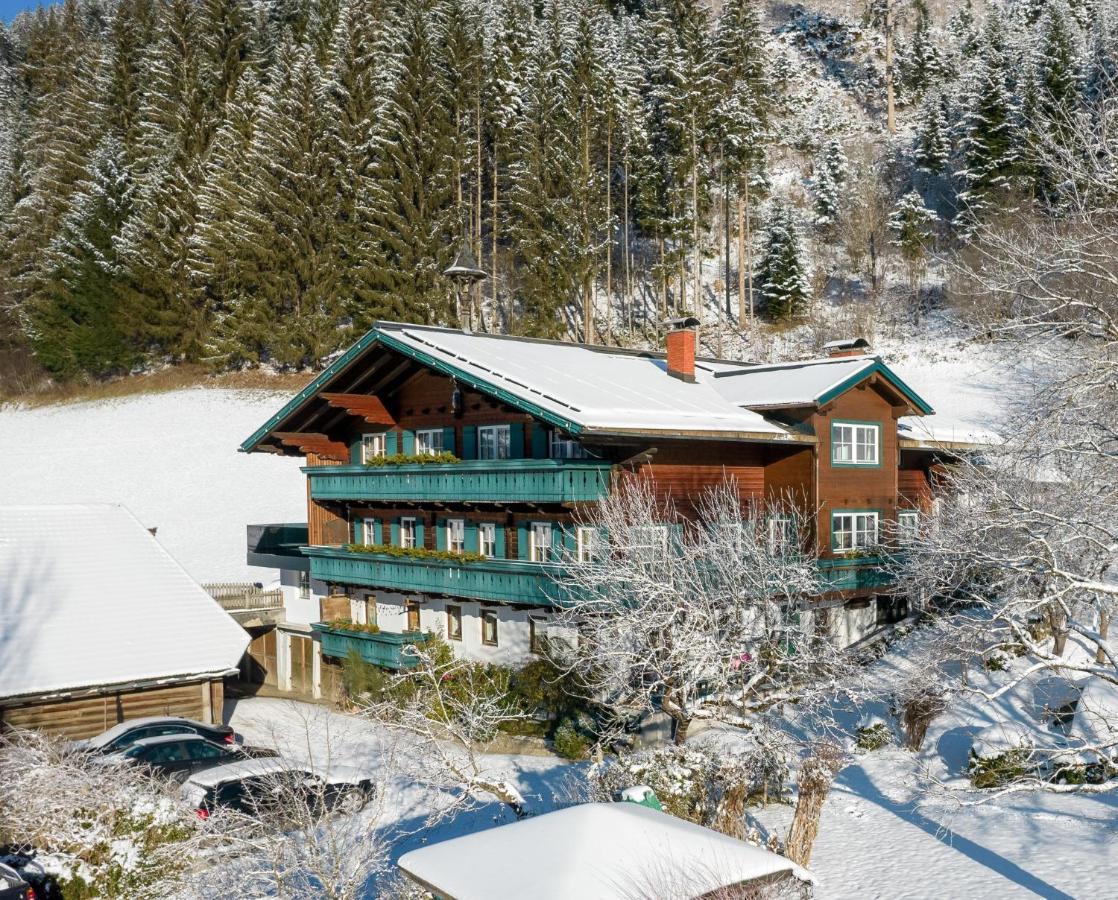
x: 587, y: 276
x: 749, y: 252
x: 1057, y: 621
x: 475, y: 317
x: 741, y: 262
x: 682, y: 727
x: 609, y: 229
x: 627, y: 301
x: 817, y: 773
x: 890, y: 112
x: 697, y: 255
x: 493, y: 226
x: 1104, y: 633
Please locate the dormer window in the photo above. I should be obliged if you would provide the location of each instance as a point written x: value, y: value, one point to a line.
x: 855, y: 444
x: 563, y: 446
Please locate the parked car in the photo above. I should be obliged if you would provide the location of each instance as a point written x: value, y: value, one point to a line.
x: 12, y: 885
x: 179, y: 756
x: 20, y: 859
x: 122, y: 736
x: 266, y: 787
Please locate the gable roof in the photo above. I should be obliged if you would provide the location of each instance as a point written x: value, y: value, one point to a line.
x: 808, y: 383
x: 591, y: 390
x: 88, y: 597
x: 608, y: 851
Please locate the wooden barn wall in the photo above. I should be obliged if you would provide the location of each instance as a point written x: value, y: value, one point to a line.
x: 89, y: 716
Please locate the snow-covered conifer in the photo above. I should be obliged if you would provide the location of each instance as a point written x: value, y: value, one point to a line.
x: 782, y: 271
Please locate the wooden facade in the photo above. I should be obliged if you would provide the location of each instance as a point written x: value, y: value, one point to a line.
x: 82, y: 717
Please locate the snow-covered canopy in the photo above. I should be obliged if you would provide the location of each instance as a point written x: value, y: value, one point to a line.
x: 88, y: 597
x: 596, y: 851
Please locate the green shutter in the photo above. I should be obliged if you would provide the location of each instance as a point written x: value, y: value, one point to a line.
x: 355, y: 451
x: 472, y: 542
x: 539, y: 440
x: 448, y: 440
x: 394, y: 533
x: 408, y: 447
x: 469, y: 442
x: 391, y: 444
x: 440, y: 534
x: 358, y: 536
x: 516, y: 440
x: 522, y: 529
x: 569, y: 540
x: 499, y: 550
x: 419, y: 541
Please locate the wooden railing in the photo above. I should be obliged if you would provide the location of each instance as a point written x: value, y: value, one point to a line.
x: 244, y: 595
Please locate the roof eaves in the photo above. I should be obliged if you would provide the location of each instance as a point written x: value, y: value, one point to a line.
x: 877, y: 367
x: 767, y: 437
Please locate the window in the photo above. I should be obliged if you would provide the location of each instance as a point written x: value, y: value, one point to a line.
x: 454, y: 623
x: 369, y: 531
x: 855, y: 445
x: 585, y: 541
x: 782, y: 535
x: 407, y: 532
x: 539, y: 542
x: 372, y: 446
x: 412, y: 609
x: 733, y: 533
x: 304, y: 585
x: 204, y: 750
x: 562, y: 446
x: 852, y: 531
x: 651, y: 541
x: 537, y: 634
x: 429, y: 442
x: 487, y: 539
x: 493, y: 442
x: 456, y: 535
x: 890, y: 610
x: 489, y: 627
x: 908, y: 526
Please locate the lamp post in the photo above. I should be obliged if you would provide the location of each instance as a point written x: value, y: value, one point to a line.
x: 464, y: 272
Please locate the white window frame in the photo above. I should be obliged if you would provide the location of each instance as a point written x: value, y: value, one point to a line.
x: 782, y: 535
x: 373, y: 446
x: 485, y: 615
x: 407, y: 532
x: 456, y: 535
x: 537, y: 634
x: 539, y: 550
x: 429, y: 442
x: 586, y: 543
x: 487, y: 539
x: 368, y: 526
x: 561, y: 446
x: 908, y: 526
x: 657, y: 545
x: 855, y: 444
x: 304, y: 585
x: 857, y: 534
x: 456, y: 617
x: 499, y: 441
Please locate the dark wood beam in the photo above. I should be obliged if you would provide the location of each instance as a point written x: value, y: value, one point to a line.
x: 319, y: 444
x: 364, y: 406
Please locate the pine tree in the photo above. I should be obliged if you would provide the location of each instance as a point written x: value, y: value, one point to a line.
x: 782, y: 274
x: 830, y: 176
x: 914, y: 228
x: 920, y: 63
x: 932, y: 150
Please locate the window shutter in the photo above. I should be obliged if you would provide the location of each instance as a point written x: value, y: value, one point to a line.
x: 471, y: 541
x: 448, y: 441
x: 568, y: 538
x: 522, y: 529
x: 516, y: 440
x: 391, y: 443
x: 358, y: 536
x: 499, y: 542
x: 394, y: 530
x: 469, y: 442
x: 419, y: 541
x: 408, y: 442
x: 355, y: 451
x: 539, y: 440
x: 440, y: 534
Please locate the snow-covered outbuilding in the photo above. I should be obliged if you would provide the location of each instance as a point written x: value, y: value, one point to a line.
x: 99, y: 623
x: 599, y: 851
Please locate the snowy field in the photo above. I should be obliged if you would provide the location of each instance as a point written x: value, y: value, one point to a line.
x: 171, y: 458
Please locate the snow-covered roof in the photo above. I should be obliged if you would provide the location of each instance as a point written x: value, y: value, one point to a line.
x: 598, y: 389
x: 597, y: 851
x: 934, y: 432
x: 88, y: 597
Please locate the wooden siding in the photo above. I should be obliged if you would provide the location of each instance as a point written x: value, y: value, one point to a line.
x: 914, y: 488
x: 682, y: 471
x: 88, y: 716
x: 324, y: 524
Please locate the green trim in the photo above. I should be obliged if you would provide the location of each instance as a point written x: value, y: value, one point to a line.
x: 854, y: 464
x: 842, y: 512
x: 878, y: 367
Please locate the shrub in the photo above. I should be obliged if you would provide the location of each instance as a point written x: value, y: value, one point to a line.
x: 412, y: 459
x: 347, y: 625
x: 995, y: 662
x: 569, y: 741
x: 873, y: 737
x: 414, y: 552
x: 995, y: 771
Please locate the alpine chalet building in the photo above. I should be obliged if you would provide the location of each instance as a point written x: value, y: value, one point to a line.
x: 445, y: 469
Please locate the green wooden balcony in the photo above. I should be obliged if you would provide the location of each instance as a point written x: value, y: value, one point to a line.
x: 476, y: 481
x: 503, y: 580
x: 381, y: 649
x: 854, y: 573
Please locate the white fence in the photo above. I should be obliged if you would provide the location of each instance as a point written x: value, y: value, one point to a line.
x: 244, y: 595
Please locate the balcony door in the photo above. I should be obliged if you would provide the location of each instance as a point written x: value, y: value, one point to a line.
x: 412, y: 608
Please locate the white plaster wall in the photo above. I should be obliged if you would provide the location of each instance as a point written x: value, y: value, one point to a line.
x: 301, y: 610
x: 855, y: 624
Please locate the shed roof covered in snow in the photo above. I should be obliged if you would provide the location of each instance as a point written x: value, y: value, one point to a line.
x: 597, y: 851
x: 89, y: 598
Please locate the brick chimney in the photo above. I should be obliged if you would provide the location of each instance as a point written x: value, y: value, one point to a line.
x: 847, y: 347
x: 681, y: 347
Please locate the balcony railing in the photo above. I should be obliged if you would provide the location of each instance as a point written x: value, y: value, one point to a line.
x: 240, y: 596
x: 474, y: 481
x: 278, y: 546
x: 504, y: 580
x: 854, y: 573
x: 381, y: 648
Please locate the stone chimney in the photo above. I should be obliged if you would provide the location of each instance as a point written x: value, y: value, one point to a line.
x: 847, y: 347
x: 681, y: 347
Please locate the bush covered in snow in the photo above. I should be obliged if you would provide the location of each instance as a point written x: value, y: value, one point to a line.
x: 873, y: 737
x: 1002, y: 754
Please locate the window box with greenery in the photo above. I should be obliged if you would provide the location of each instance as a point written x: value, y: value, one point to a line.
x: 416, y: 552
x: 413, y: 459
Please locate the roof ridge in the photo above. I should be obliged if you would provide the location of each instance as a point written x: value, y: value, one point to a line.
x: 800, y: 363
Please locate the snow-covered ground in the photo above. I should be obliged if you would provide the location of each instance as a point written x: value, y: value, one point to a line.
x: 171, y: 458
